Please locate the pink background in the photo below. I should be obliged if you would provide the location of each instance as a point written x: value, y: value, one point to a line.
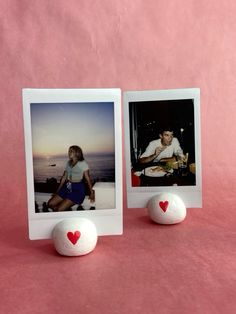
x: 137, y: 45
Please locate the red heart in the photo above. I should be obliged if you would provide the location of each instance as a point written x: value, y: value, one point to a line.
x: 164, y: 205
x: 73, y: 237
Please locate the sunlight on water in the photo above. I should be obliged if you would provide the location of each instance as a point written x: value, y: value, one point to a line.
x: 102, y: 167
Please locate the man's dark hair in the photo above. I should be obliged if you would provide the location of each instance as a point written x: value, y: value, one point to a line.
x: 165, y: 128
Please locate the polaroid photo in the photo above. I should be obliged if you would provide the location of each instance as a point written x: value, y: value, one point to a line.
x: 73, y: 147
x: 163, y: 145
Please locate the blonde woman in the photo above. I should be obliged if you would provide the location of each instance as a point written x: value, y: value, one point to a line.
x: 71, y: 189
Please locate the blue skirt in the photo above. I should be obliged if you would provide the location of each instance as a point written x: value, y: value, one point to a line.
x: 74, y: 192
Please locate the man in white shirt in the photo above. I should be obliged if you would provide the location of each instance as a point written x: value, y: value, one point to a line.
x: 164, y: 149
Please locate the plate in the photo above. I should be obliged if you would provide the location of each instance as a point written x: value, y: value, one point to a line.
x: 154, y: 172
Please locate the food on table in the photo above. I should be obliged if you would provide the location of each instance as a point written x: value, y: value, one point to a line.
x: 157, y: 169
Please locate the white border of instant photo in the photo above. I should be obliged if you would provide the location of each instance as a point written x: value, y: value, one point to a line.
x: 137, y: 197
x: 107, y: 221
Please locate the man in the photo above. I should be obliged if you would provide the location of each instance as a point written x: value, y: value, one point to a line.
x: 164, y: 149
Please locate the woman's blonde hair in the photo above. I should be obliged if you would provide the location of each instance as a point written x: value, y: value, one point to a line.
x: 78, y: 152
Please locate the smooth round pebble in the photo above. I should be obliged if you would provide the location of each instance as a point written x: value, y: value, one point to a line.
x: 75, y: 236
x: 166, y: 208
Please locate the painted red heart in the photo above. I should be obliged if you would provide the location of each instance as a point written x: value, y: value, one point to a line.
x: 164, y: 205
x: 73, y: 237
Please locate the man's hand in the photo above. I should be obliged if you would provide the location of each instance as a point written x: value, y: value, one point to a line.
x: 150, y: 158
x: 159, y: 149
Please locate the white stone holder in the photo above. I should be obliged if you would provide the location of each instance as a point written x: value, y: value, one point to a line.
x: 75, y: 236
x: 166, y: 208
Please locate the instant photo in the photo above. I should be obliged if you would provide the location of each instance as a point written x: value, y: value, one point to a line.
x: 73, y: 158
x: 162, y: 133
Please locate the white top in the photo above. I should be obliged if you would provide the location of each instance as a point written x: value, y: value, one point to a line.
x: 76, y: 173
x: 173, y: 149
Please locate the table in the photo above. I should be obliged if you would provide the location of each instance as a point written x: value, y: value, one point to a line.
x: 175, y: 177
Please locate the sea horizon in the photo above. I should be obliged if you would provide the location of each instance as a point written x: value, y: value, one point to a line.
x: 101, y: 166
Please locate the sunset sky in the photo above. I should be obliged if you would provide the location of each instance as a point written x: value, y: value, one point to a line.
x: 56, y: 126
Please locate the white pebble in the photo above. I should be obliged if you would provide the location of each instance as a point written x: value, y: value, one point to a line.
x: 166, y: 208
x: 74, y: 236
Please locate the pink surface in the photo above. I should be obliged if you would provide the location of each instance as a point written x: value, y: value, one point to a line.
x: 132, y: 45
x: 184, y: 268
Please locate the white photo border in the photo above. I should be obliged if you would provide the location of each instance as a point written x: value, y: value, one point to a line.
x: 107, y: 221
x: 138, y: 197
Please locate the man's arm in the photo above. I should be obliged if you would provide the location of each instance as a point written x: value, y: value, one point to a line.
x: 150, y: 158
x: 177, y: 148
x: 168, y: 159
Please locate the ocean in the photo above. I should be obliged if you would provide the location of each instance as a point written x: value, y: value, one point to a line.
x: 101, y: 167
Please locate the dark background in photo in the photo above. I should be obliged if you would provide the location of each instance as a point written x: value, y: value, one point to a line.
x: 147, y: 118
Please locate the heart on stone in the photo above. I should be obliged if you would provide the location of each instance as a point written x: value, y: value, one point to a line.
x: 164, y: 205
x: 73, y: 236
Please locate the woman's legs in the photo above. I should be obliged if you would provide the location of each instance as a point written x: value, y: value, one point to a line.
x: 66, y: 198
x: 54, y: 202
x: 59, y: 204
x: 64, y: 205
